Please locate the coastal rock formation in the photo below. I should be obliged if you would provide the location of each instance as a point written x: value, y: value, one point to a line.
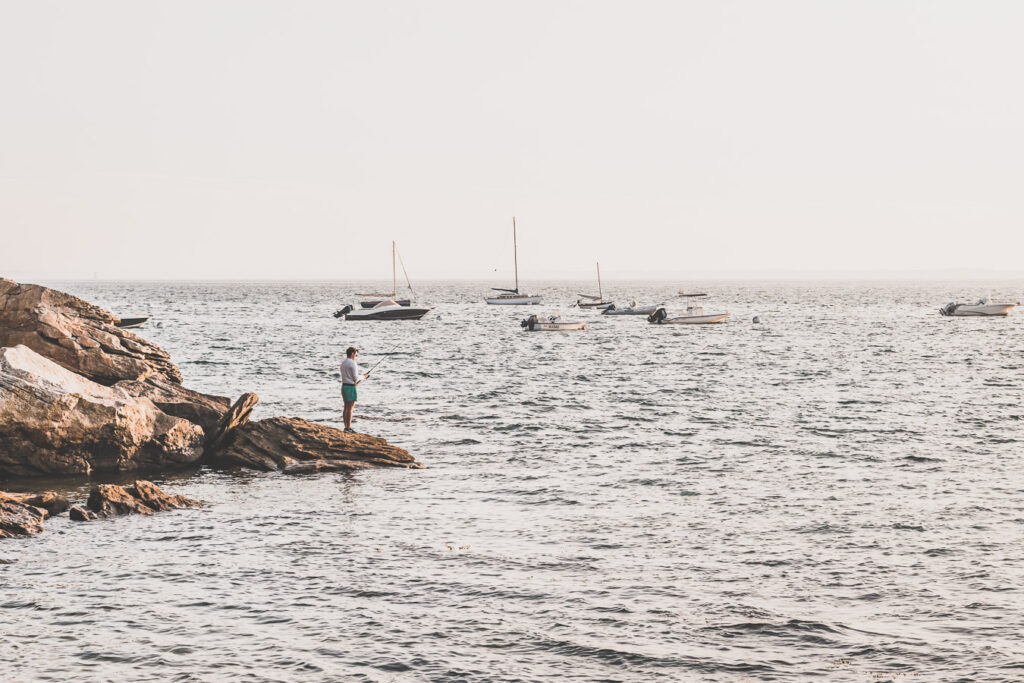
x: 78, y: 395
x: 78, y: 335
x: 53, y: 421
x: 22, y: 514
x: 141, y: 498
x: 296, y: 446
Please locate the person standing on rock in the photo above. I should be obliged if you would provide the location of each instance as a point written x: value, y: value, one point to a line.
x: 349, y: 379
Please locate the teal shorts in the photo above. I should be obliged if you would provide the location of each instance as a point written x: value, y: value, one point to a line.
x: 348, y: 392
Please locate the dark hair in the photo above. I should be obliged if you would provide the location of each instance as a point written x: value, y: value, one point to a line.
x: 351, y: 351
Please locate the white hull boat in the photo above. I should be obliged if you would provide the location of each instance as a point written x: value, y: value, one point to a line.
x: 694, y: 315
x: 513, y: 300
x: 981, y: 308
x: 692, y: 319
x: 512, y: 297
x: 632, y: 310
x: 552, y: 323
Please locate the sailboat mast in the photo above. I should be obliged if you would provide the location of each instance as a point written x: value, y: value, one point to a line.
x: 515, y: 252
x: 394, y: 278
x: 600, y: 292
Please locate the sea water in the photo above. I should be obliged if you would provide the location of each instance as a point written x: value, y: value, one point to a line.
x: 835, y: 493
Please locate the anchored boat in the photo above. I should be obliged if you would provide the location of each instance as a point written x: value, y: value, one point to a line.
x: 379, y: 298
x: 126, y: 323
x: 551, y: 323
x: 591, y: 301
x: 632, y: 310
x: 694, y: 315
x: 512, y: 297
x: 982, y: 308
x: 385, y: 310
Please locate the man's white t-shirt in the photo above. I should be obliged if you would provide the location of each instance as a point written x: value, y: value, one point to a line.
x: 349, y: 372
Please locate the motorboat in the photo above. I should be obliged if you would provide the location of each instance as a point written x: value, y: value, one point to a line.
x: 591, y: 301
x: 983, y: 307
x: 512, y: 297
x: 551, y: 323
x: 385, y: 310
x: 632, y: 310
x: 694, y: 314
x: 127, y: 323
x: 378, y: 298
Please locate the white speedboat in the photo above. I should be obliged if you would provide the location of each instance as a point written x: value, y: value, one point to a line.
x: 632, y: 310
x: 385, y: 310
x: 551, y: 323
x: 694, y: 314
x: 591, y: 301
x: 982, y: 308
x: 512, y: 297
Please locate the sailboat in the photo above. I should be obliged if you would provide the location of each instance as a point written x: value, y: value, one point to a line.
x: 512, y: 297
x: 379, y: 298
x: 591, y: 301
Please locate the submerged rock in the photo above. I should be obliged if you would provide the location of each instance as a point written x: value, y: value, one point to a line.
x: 22, y: 514
x: 78, y: 336
x: 295, y: 446
x: 141, y: 498
x: 53, y: 421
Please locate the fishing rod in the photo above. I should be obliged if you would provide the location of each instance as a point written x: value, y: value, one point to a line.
x: 382, y: 359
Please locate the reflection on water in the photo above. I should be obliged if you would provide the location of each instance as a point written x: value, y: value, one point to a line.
x: 831, y: 492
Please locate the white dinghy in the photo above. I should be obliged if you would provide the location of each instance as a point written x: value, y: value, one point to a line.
x: 632, y: 310
x: 551, y: 323
x: 982, y: 308
x: 694, y: 315
x: 512, y: 297
x: 591, y: 301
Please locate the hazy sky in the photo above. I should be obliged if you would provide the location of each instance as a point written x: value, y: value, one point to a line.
x: 296, y: 139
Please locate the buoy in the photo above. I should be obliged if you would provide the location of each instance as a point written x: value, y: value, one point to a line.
x: 757, y: 319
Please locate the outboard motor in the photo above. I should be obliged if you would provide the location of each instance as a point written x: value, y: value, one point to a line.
x: 609, y: 308
x: 529, y: 323
x: 342, y: 312
x: 948, y: 309
x: 658, y: 315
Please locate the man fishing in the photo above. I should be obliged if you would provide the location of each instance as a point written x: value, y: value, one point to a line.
x: 349, y: 379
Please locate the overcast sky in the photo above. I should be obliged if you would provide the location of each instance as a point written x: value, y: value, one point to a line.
x: 296, y: 139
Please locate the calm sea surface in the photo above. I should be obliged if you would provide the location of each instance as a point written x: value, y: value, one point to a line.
x: 835, y: 493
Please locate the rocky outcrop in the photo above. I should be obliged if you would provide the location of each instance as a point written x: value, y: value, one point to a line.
x: 296, y: 446
x: 232, y: 420
x: 202, y: 409
x: 78, y: 335
x: 79, y: 395
x: 141, y: 498
x: 22, y: 514
x: 53, y: 421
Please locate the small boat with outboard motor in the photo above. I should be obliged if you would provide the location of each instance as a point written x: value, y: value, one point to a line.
x: 385, y: 310
x: 591, y: 301
x: 551, y: 323
x: 694, y: 314
x: 512, y: 297
x: 633, y: 309
x: 982, y: 308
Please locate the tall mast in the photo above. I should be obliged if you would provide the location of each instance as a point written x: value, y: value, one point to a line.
x: 394, y: 279
x: 600, y: 293
x: 515, y: 252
